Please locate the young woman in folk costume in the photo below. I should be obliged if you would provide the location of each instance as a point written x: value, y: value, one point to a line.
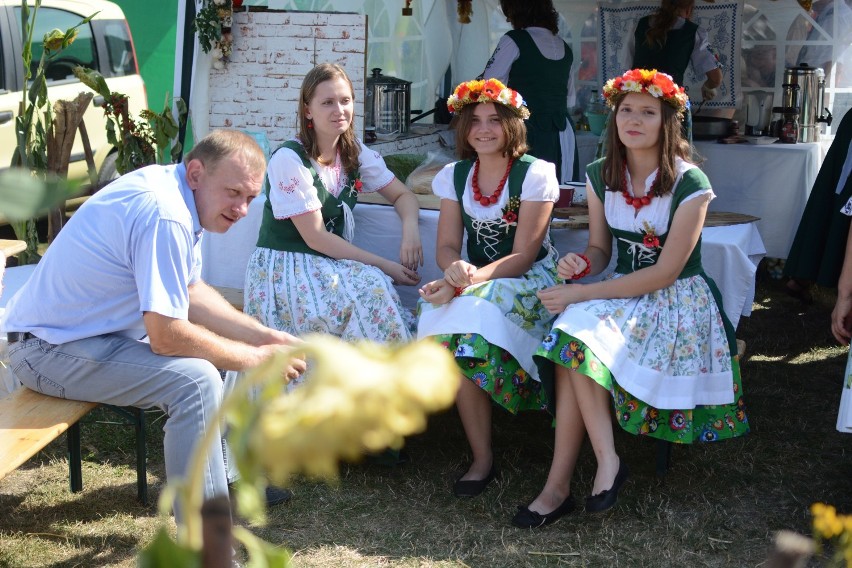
x: 485, y: 309
x: 652, y: 337
x: 305, y: 274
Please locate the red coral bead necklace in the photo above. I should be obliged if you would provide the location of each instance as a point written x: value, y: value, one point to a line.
x: 494, y: 197
x: 638, y: 202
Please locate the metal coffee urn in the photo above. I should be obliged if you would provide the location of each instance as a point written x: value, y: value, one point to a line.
x: 804, y: 87
x: 387, y: 103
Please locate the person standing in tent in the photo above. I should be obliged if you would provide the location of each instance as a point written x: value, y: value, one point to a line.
x: 818, y: 249
x: 667, y: 41
x: 534, y: 60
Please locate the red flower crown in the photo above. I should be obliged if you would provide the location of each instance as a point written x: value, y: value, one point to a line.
x: 487, y: 91
x: 652, y: 82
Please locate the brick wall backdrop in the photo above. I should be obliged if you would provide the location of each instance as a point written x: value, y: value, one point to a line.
x: 258, y: 90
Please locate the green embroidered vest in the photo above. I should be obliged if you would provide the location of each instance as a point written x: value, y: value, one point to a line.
x: 282, y: 234
x: 673, y: 58
x: 482, y: 249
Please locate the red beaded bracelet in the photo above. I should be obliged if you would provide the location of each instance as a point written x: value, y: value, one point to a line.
x: 586, y: 270
x: 459, y: 290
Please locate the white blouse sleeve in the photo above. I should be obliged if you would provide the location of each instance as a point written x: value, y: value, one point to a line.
x: 443, y: 184
x: 540, y: 183
x: 291, y: 185
x: 375, y: 175
x: 500, y: 64
x: 703, y: 59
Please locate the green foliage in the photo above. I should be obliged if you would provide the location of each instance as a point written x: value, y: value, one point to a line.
x: 208, y: 26
x: 166, y: 129
x: 36, y: 116
x: 137, y: 142
x: 23, y: 196
x: 163, y: 552
x: 403, y: 164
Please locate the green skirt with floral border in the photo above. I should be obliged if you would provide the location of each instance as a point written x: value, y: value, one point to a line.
x: 496, y: 371
x: 699, y: 424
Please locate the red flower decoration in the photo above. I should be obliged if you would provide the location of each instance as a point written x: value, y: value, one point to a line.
x: 651, y: 241
x: 237, y: 3
x: 510, y: 217
x: 358, y: 185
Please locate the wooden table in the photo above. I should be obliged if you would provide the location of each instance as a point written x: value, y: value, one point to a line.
x: 11, y: 247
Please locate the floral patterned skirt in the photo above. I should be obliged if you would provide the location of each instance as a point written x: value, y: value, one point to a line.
x: 305, y: 293
x: 664, y: 357
x: 493, y: 329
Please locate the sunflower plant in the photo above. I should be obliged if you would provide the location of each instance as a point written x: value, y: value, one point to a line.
x: 356, y: 399
x: 36, y: 117
x: 828, y: 526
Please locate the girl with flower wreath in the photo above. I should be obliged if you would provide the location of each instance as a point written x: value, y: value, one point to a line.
x: 653, y: 336
x: 485, y: 309
x: 305, y: 274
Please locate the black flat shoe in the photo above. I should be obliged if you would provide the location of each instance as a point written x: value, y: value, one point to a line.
x: 527, y: 519
x: 473, y: 487
x: 606, y: 499
x: 277, y: 495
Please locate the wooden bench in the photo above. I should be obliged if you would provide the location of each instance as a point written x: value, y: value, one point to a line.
x: 29, y: 421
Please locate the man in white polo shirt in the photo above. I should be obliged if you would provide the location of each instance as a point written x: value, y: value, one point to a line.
x: 116, y: 311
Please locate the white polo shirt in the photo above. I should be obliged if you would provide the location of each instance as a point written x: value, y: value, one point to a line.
x: 132, y: 247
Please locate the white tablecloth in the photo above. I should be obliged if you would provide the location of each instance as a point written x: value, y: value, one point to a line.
x: 770, y: 181
x: 730, y: 254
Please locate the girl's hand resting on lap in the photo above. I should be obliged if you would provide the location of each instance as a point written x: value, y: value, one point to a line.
x: 460, y: 274
x: 570, y: 265
x: 401, y: 275
x: 438, y: 292
x: 556, y: 298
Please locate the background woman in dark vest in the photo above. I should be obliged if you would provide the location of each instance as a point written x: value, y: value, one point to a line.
x: 667, y: 41
x: 535, y: 61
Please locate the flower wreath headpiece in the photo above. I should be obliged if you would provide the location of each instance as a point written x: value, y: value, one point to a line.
x: 487, y: 91
x: 652, y: 82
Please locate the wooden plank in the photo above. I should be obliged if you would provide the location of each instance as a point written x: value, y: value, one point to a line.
x: 580, y: 220
x: 29, y: 421
x: 11, y: 247
x: 432, y: 202
x: 233, y: 295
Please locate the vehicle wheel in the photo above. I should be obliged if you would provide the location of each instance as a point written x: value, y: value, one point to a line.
x: 108, y: 171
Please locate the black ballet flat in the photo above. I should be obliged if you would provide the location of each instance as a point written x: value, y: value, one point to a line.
x: 526, y: 519
x: 474, y: 487
x: 606, y: 500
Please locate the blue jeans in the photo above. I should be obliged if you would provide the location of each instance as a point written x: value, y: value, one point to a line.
x: 117, y: 370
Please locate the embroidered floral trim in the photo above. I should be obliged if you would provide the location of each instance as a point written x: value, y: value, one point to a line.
x: 650, y: 239
x: 510, y: 213
x: 288, y: 187
x: 355, y: 187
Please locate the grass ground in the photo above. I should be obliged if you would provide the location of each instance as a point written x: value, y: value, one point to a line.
x: 719, y: 505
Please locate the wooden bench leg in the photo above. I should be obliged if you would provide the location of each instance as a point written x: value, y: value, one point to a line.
x: 664, y: 454
x: 75, y: 462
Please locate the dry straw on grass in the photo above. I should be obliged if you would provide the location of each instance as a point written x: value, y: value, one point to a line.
x: 720, y: 504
